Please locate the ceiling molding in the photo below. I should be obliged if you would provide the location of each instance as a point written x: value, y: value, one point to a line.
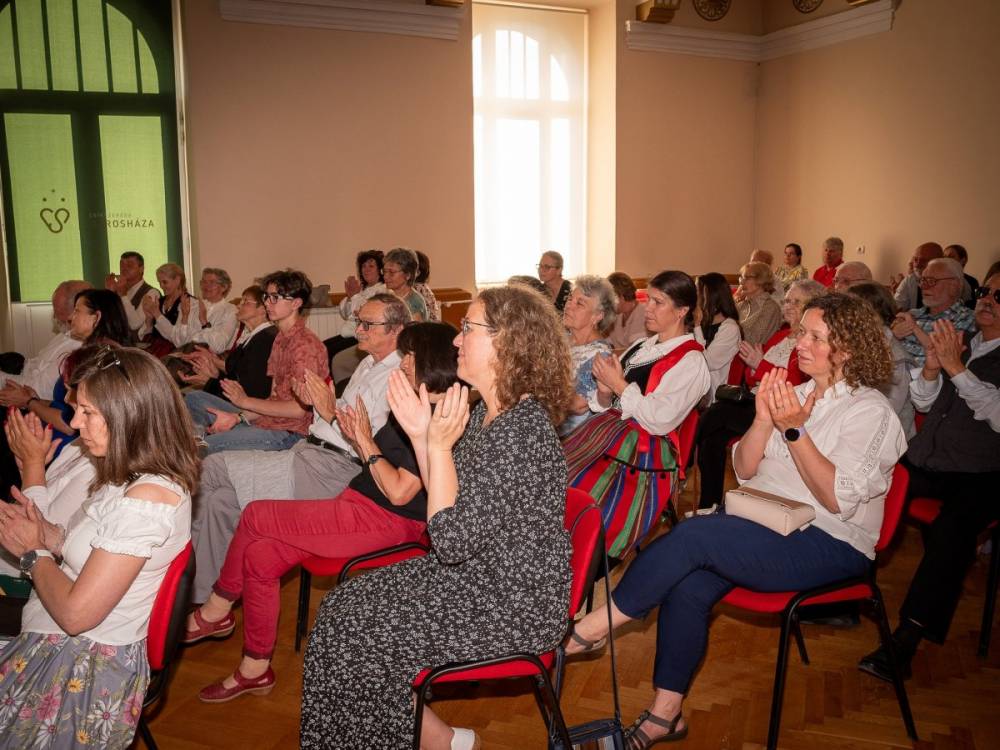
x: 866, y: 20
x: 376, y: 16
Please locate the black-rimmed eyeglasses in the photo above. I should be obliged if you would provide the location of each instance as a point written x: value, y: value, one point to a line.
x: 366, y: 325
x: 273, y: 297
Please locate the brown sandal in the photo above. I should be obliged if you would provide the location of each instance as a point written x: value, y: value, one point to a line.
x: 636, y: 739
x: 587, y: 646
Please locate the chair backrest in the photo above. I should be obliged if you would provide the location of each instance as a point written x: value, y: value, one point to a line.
x: 583, y: 522
x: 895, y: 501
x: 169, y: 610
x: 685, y: 439
x: 736, y: 369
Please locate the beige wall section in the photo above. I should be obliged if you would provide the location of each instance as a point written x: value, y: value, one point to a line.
x: 889, y: 140
x: 601, y: 75
x: 780, y: 14
x: 685, y: 163
x: 307, y: 145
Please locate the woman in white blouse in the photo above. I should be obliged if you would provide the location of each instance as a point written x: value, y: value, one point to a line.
x: 210, y: 320
x: 77, y: 673
x: 832, y: 443
x: 623, y: 383
x: 717, y: 327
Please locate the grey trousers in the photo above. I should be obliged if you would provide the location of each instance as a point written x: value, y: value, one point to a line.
x: 316, y: 473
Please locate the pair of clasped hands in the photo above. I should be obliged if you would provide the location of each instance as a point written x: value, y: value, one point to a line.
x: 441, y: 425
x: 778, y: 404
x: 943, y: 347
x: 22, y: 526
x: 151, y: 308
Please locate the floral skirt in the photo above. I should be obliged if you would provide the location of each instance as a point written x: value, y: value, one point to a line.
x: 60, y: 691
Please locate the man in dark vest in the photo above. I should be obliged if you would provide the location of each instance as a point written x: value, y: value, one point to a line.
x: 130, y: 285
x: 956, y: 458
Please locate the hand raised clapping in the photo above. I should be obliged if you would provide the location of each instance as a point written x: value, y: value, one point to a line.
x: 751, y: 354
x: 609, y: 374
x: 778, y: 402
x: 411, y: 409
x: 28, y: 440
x: 451, y: 414
x: 947, y: 346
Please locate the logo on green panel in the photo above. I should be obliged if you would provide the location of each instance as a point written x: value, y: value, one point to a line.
x: 127, y: 220
x: 54, y: 215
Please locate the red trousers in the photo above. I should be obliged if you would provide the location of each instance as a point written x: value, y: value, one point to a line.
x: 276, y: 535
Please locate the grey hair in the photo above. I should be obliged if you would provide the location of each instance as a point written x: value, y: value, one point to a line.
x: 397, y: 314
x: 834, y: 243
x: 221, y: 275
x: 407, y: 261
x: 557, y: 257
x: 952, y: 265
x: 810, y: 286
x: 857, y: 265
x: 601, y: 291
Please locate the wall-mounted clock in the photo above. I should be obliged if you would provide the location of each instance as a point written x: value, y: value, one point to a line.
x: 712, y: 10
x: 806, y: 6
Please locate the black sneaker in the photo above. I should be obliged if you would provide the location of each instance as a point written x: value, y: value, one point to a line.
x: 877, y: 664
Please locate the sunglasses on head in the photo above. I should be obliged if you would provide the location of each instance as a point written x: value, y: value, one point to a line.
x: 985, y: 291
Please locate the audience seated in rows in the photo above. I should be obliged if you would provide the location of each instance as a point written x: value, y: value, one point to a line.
x: 833, y: 256
x: 717, y: 328
x: 791, y: 269
x: 941, y: 286
x: 498, y: 579
x: 319, y: 466
x: 40, y: 373
x: 384, y: 505
x: 209, y: 321
x: 831, y: 442
x: 726, y: 420
x: 630, y: 321
x: 955, y: 458
x: 588, y: 316
x: 760, y: 315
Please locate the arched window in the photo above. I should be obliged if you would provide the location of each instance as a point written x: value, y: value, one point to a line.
x: 529, y: 94
x: 88, y: 139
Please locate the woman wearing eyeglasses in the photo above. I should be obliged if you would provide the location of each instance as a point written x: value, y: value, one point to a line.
x: 277, y: 422
x: 497, y: 579
x: 760, y: 315
x: 832, y: 443
x: 384, y: 505
x: 550, y: 269
x: 77, y: 673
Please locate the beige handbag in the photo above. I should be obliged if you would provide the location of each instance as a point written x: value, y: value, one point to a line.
x: 777, y: 513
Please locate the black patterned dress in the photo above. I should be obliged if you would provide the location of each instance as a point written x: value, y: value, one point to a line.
x: 496, y: 581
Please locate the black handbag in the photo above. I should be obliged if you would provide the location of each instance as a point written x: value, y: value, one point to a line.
x: 737, y: 394
x: 600, y: 734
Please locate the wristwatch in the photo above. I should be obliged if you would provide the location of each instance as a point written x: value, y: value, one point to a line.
x: 29, y: 558
x: 794, y: 433
x: 373, y: 458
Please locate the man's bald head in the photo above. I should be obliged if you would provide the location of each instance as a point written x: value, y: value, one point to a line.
x: 63, y: 298
x: 924, y: 254
x: 850, y: 273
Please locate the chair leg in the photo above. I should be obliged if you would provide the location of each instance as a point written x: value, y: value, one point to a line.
x: 799, y: 641
x: 986, y: 630
x: 778, y: 693
x: 302, y: 620
x: 147, y: 736
x: 885, y: 634
x: 548, y: 706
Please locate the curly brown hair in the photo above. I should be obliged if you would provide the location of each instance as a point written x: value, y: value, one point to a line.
x: 856, y: 331
x: 532, y: 353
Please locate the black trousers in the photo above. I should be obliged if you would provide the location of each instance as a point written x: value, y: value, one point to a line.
x: 721, y: 422
x: 970, y: 504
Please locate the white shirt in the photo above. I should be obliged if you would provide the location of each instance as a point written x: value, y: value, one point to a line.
x: 123, y: 525
x: 42, y: 371
x: 858, y: 432
x: 677, y: 393
x: 67, y: 482
x: 248, y: 334
x: 218, y: 336
x: 897, y: 390
x: 981, y: 397
x: 719, y: 354
x: 136, y: 317
x: 371, y: 382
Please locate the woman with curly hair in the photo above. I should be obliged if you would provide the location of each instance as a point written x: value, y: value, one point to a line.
x: 831, y: 443
x: 497, y: 578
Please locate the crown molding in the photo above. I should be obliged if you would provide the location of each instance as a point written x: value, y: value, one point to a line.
x: 377, y: 16
x: 866, y: 20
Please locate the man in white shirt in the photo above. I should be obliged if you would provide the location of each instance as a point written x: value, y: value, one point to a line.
x: 130, y: 285
x: 41, y: 372
x: 319, y: 466
x: 210, y: 321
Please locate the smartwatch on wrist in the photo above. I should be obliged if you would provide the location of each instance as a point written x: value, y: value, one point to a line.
x: 29, y: 558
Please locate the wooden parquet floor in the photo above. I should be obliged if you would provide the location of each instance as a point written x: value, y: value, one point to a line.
x: 828, y: 704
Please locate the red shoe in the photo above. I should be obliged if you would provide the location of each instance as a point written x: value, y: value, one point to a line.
x: 221, y: 629
x: 217, y: 693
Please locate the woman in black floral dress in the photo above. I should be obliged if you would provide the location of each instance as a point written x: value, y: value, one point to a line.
x: 497, y: 578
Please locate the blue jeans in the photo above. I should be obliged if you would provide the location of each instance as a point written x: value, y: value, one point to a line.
x: 690, y: 569
x: 242, y: 437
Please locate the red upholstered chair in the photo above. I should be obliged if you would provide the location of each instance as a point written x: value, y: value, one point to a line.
x: 583, y: 521
x: 925, y: 510
x: 863, y: 589
x: 737, y: 368
x: 342, y: 566
x: 166, y: 623
x: 685, y: 433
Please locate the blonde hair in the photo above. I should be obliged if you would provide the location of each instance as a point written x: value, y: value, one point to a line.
x: 761, y: 273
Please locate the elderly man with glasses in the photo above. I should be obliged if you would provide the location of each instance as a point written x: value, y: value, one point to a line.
x: 941, y: 284
x: 319, y: 466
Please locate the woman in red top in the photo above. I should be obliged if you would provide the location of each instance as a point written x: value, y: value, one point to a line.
x: 725, y: 420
